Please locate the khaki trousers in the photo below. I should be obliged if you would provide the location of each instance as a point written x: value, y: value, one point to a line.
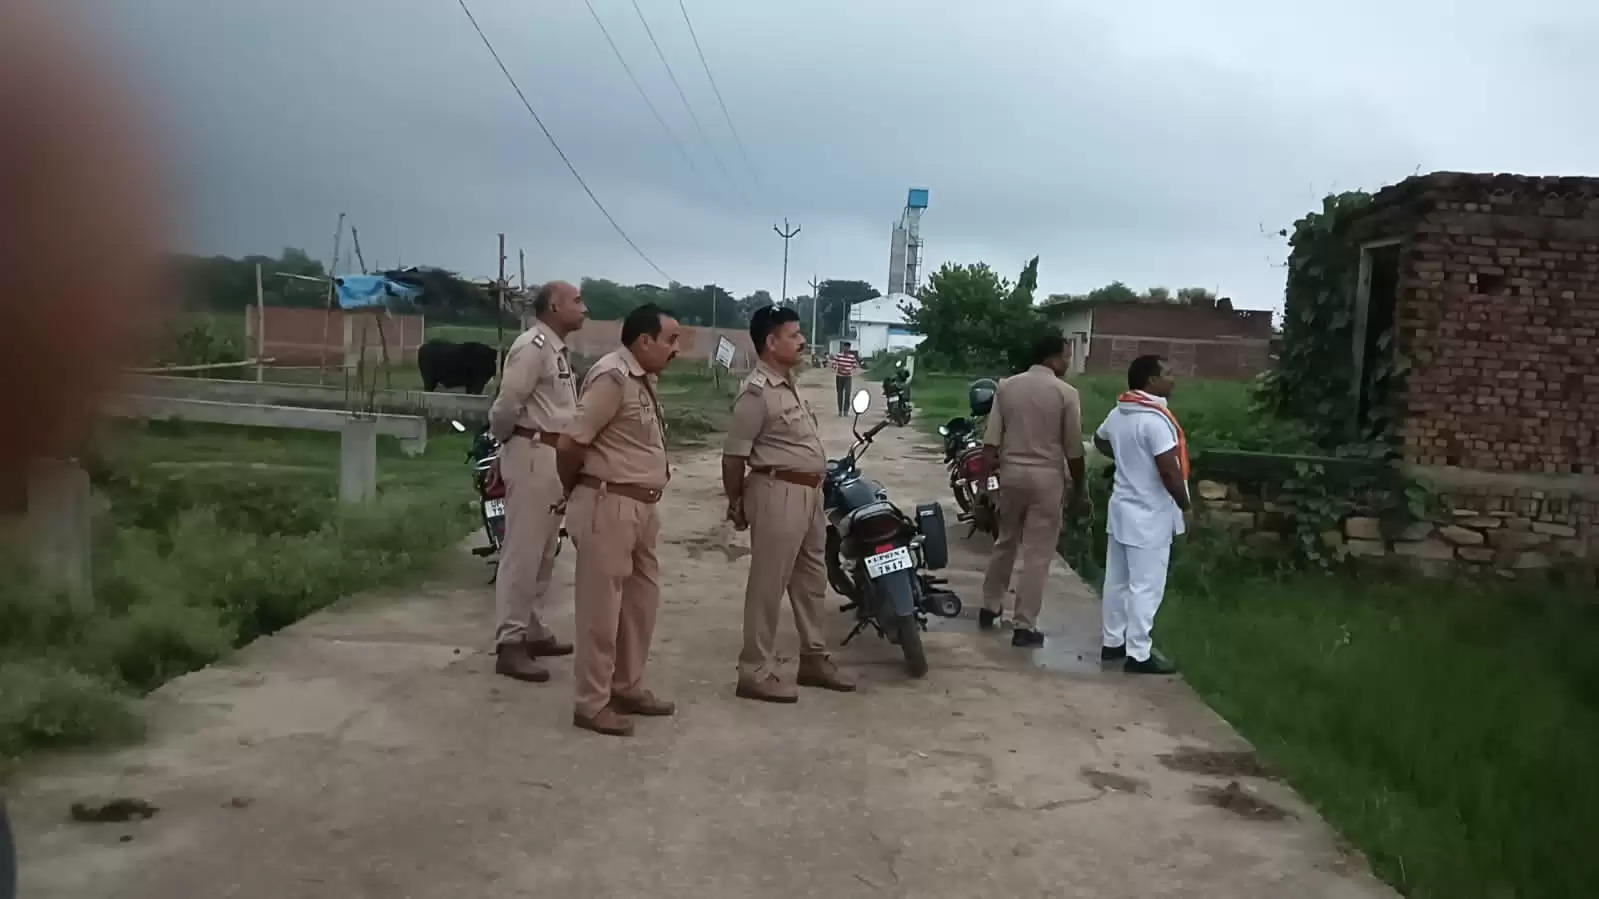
x: 787, y: 538
x: 618, y: 593
x: 1030, y: 513
x: 527, y: 560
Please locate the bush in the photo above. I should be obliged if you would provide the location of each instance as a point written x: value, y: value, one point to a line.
x: 45, y: 704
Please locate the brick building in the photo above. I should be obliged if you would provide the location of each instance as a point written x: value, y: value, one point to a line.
x: 1490, y: 286
x: 1195, y: 340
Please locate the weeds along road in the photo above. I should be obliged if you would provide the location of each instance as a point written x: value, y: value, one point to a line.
x: 369, y: 751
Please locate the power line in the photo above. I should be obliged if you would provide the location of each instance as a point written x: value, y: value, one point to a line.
x: 558, y: 151
x: 687, y: 105
x: 718, y: 91
x: 676, y: 141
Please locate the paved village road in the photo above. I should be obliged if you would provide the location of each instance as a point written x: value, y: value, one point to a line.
x: 369, y: 751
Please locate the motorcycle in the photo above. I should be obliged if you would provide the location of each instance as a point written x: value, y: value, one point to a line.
x: 484, y: 455
x: 972, y: 477
x: 878, y: 557
x: 897, y: 394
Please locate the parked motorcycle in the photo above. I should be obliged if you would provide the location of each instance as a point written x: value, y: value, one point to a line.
x: 879, y: 558
x: 485, y: 458
x: 897, y: 396
x: 972, y: 477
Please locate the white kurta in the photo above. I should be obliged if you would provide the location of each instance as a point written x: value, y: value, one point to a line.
x: 1142, y: 519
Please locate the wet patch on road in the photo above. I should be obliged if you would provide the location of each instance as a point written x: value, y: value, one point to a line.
x: 1241, y: 802
x: 1215, y: 763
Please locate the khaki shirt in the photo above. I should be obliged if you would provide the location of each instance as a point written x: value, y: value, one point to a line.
x: 1037, y: 421
x: 537, y: 388
x: 619, y: 419
x: 773, y: 427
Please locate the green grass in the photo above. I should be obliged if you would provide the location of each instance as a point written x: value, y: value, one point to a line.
x: 1214, y: 414
x: 213, y: 537
x: 1448, y: 730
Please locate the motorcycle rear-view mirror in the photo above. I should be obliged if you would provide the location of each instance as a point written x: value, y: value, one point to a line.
x: 861, y: 402
x: 459, y: 428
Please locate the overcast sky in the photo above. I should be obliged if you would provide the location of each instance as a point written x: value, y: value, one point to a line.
x: 1159, y: 142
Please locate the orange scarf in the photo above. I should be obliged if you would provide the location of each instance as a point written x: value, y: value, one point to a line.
x: 1137, y: 398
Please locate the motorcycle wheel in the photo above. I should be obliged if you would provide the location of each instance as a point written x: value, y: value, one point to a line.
x: 909, y: 632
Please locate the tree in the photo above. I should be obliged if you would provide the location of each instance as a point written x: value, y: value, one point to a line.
x: 1156, y: 295
x: 1196, y: 296
x: 1114, y: 292
x: 971, y: 318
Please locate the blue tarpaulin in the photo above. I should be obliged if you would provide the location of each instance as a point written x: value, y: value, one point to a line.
x: 361, y: 291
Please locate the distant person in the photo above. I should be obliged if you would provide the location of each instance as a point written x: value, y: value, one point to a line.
x: 772, y: 468
x: 534, y: 407
x: 1148, y: 507
x: 845, y: 362
x: 613, y: 466
x: 1036, y: 428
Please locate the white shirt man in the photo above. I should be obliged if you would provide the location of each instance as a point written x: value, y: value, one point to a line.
x: 1146, y: 511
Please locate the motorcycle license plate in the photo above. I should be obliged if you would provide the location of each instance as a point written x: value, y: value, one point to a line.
x: 884, y: 564
x: 494, y: 508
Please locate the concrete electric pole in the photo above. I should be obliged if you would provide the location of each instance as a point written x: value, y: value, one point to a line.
x: 816, y: 302
x: 787, y: 235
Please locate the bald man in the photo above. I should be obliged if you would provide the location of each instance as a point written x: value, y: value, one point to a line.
x: 534, y: 407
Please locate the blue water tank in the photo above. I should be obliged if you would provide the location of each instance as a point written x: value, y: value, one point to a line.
x: 918, y: 198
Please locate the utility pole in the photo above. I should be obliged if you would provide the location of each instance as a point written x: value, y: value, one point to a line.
x: 816, y: 303
x: 787, y: 235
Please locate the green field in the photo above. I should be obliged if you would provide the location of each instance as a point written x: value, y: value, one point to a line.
x: 1450, y: 731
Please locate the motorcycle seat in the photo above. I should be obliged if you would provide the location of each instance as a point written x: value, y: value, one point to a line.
x: 870, y: 510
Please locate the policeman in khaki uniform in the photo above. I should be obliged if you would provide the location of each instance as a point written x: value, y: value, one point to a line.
x: 772, y: 468
x: 535, y: 403
x: 1036, y: 428
x: 613, y: 467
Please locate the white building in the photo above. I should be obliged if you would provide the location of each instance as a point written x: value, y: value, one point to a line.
x: 878, y: 326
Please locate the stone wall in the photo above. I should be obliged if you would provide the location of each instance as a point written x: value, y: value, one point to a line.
x: 1473, y: 521
x: 1498, y: 312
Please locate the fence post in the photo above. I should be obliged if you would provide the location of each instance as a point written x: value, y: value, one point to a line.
x: 358, y: 460
x: 59, y: 526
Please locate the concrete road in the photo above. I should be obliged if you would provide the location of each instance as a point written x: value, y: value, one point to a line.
x: 370, y: 752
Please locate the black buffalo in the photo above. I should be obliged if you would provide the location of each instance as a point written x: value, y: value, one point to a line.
x: 444, y: 363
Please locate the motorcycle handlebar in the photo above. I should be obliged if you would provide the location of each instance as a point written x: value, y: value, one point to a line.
x: 875, y: 428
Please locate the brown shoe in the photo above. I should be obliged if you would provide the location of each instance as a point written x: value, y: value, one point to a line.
x: 768, y: 689
x: 606, y: 721
x: 514, y: 662
x: 819, y: 671
x: 642, y: 703
x: 547, y: 647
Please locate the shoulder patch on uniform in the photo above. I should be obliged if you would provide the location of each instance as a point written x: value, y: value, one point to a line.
x: 538, y: 339
x: 755, y: 386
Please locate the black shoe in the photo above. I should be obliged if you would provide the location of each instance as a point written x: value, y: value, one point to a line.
x: 1155, y: 664
x: 1112, y: 653
x: 986, y: 619
x: 1026, y: 639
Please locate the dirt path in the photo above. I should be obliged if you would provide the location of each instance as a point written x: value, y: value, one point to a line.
x: 369, y: 752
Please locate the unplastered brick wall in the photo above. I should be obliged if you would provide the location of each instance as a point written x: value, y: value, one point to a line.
x: 1498, y: 311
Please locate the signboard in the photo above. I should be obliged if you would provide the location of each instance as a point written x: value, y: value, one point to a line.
x: 724, y: 352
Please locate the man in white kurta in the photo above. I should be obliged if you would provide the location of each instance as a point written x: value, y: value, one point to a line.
x: 1148, y: 505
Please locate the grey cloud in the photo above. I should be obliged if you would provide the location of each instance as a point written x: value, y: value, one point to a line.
x: 1152, y: 142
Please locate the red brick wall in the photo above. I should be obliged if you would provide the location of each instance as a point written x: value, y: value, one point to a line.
x: 1220, y: 358
x: 1499, y: 313
x: 294, y: 336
